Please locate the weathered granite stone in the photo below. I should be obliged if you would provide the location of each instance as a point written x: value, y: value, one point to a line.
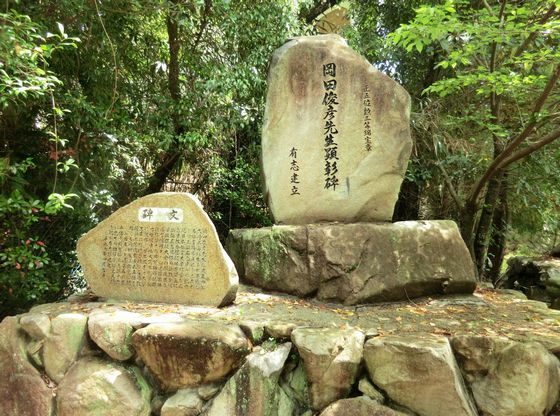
x: 22, y: 389
x: 96, y: 387
x: 370, y: 390
x: 331, y: 360
x: 355, y: 263
x: 185, y: 402
x: 280, y: 330
x: 35, y: 352
x: 419, y: 373
x: 191, y: 353
x: 64, y: 343
x: 162, y: 248
x: 476, y: 354
x: 359, y: 406
x: 509, y: 378
x: 296, y: 385
x: 112, y: 332
x: 207, y: 391
x: 336, y: 137
x: 253, y: 330
x: 537, y: 277
x: 157, y: 403
x: 254, y: 388
x: 37, y: 325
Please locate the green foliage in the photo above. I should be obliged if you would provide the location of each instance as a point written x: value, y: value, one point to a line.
x: 24, y: 53
x: 374, y: 21
x: 29, y: 271
x: 466, y: 38
x: 535, y: 198
x: 494, y: 61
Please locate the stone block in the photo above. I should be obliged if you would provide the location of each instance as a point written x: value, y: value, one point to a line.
x: 22, y: 389
x: 420, y: 373
x: 355, y: 263
x: 96, y: 387
x: 190, y: 354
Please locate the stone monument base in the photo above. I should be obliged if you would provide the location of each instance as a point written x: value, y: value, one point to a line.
x: 355, y: 263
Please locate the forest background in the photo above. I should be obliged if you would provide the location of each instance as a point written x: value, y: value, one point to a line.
x: 105, y: 101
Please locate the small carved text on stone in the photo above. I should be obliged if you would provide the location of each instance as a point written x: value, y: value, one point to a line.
x: 155, y: 256
x: 367, y: 119
x: 294, y: 172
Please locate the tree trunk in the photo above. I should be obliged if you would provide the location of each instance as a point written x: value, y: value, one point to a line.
x: 501, y: 220
x: 408, y: 204
x: 173, y: 154
x: 468, y: 221
x: 484, y: 229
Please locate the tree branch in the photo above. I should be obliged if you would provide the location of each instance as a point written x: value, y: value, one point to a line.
x: 495, y: 99
x: 514, y: 157
x: 450, y: 186
x: 487, y: 6
x: 534, y: 34
x: 171, y: 156
x: 510, y: 148
x: 174, y: 48
x: 203, y: 23
x: 317, y: 10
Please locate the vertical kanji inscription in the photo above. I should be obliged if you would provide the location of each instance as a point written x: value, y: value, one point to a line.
x: 175, y: 258
x: 330, y: 104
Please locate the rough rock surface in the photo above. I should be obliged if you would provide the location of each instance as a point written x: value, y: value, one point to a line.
x: 95, y: 387
x: 419, y: 373
x: 64, y: 343
x: 22, y: 389
x: 509, y: 378
x: 162, y: 248
x: 254, y: 388
x: 355, y: 263
x: 359, y: 406
x: 185, y: 402
x: 336, y: 136
x: 191, y: 353
x: 37, y: 325
x: 253, y: 330
x: 294, y: 381
x: 112, y: 332
x: 207, y: 391
x: 331, y: 360
x: 538, y: 278
x: 499, y: 315
x: 369, y: 390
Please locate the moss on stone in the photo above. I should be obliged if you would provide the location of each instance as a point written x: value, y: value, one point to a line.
x: 143, y: 386
x: 76, y: 335
x: 269, y: 247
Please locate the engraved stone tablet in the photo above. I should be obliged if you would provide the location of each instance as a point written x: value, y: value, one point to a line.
x: 336, y: 137
x: 161, y: 248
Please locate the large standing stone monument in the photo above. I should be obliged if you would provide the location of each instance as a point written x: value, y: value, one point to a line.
x: 336, y: 137
x: 335, y: 147
x: 161, y: 248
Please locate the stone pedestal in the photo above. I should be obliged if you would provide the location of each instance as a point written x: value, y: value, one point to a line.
x: 355, y: 263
